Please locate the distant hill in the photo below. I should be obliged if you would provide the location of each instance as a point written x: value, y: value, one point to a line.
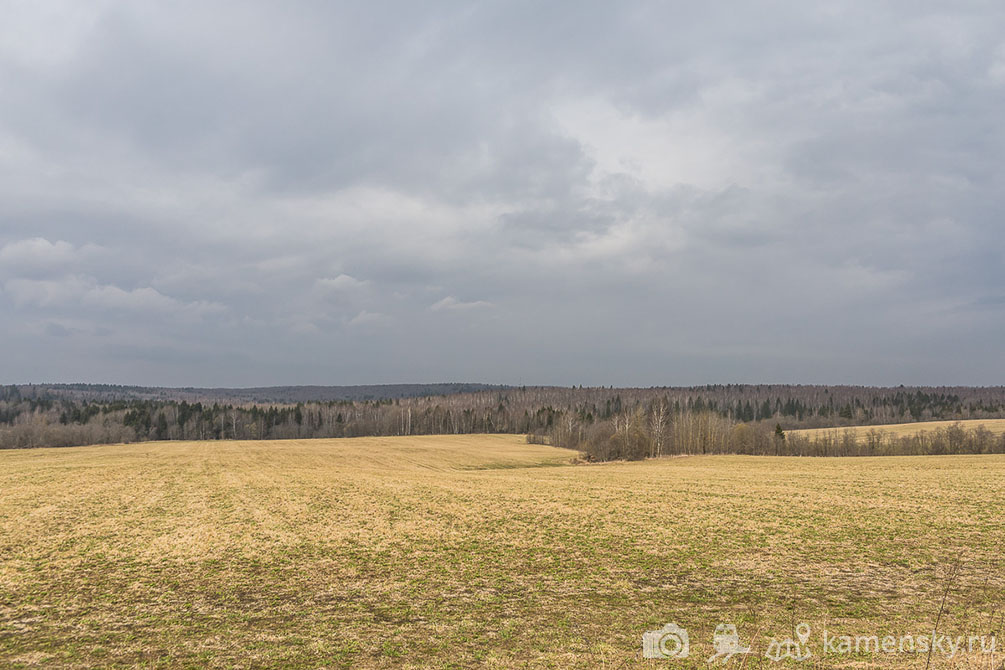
x: 263, y: 394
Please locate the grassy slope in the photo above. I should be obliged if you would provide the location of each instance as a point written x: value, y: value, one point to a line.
x: 451, y: 552
x: 996, y: 426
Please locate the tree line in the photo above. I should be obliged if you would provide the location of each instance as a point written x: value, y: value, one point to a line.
x: 660, y: 430
x: 602, y: 422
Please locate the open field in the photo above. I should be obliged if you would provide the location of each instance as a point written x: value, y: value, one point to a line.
x: 996, y: 426
x: 482, y: 551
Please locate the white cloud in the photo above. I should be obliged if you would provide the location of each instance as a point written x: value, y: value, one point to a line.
x: 82, y: 291
x: 39, y: 255
x: 686, y: 146
x: 365, y: 318
x: 340, y: 284
x: 452, y: 303
x: 46, y: 293
x: 996, y: 70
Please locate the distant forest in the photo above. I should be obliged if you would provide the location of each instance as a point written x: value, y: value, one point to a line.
x: 261, y: 394
x: 602, y: 423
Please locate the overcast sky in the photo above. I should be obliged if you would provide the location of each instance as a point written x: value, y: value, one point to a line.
x: 628, y: 193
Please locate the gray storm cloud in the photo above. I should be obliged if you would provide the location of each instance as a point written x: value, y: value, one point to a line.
x: 601, y: 193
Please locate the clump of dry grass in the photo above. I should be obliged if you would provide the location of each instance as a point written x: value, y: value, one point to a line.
x: 469, y: 551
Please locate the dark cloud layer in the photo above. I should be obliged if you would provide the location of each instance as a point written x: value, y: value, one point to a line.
x: 600, y: 193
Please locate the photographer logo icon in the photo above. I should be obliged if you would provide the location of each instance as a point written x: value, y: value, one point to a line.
x: 671, y: 641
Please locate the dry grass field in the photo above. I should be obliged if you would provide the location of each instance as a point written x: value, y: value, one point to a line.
x: 996, y: 426
x: 482, y: 551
